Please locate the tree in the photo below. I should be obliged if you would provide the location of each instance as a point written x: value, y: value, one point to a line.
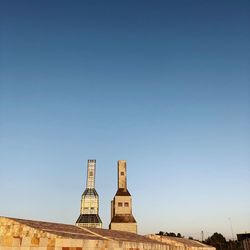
x: 217, y: 240
x: 179, y: 235
x: 160, y: 233
x: 172, y: 234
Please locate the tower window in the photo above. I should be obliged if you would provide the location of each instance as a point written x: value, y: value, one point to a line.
x: 119, y: 204
x: 90, y: 173
x: 126, y: 204
x: 122, y: 173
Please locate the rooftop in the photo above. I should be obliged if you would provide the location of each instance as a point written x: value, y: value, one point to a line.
x: 72, y: 231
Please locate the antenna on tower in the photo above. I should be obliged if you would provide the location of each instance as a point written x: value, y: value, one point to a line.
x: 230, y: 222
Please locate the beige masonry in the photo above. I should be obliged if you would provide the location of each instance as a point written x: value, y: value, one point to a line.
x: 127, y: 227
x: 122, y: 174
x: 121, y: 206
x: 19, y: 234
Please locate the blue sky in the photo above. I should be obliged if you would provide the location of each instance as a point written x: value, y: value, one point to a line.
x: 162, y: 84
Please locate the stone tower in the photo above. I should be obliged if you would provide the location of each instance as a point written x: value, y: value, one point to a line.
x: 121, y: 206
x: 89, y: 214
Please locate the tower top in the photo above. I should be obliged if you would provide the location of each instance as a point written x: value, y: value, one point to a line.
x: 91, y: 174
x: 122, y: 174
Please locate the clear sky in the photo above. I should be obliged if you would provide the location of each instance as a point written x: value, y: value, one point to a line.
x: 161, y: 84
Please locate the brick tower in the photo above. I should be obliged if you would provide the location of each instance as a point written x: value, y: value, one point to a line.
x: 89, y: 214
x: 121, y: 206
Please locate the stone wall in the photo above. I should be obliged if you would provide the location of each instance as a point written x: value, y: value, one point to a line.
x: 18, y: 234
x: 128, y: 227
x: 181, y: 243
x: 15, y: 236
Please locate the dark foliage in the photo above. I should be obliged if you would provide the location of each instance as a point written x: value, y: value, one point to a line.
x: 170, y: 234
x: 218, y: 241
x: 179, y: 235
x: 160, y: 233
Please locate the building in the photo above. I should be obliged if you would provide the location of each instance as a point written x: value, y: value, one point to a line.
x: 89, y: 213
x: 245, y: 240
x: 23, y: 234
x: 180, y: 243
x: 121, y: 206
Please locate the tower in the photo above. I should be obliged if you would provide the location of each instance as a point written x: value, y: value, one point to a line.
x: 89, y: 213
x: 121, y: 206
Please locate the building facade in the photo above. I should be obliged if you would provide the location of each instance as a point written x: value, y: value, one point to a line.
x: 89, y: 212
x: 244, y: 239
x: 24, y: 234
x: 121, y: 206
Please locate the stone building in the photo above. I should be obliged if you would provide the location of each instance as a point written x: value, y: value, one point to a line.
x: 89, y: 213
x: 20, y: 234
x: 244, y: 239
x: 180, y: 243
x: 121, y: 206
